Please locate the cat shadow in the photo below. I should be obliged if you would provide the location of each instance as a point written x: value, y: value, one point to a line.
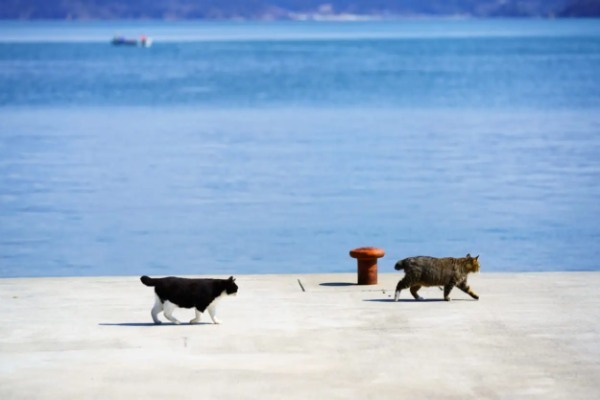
x: 141, y: 324
x: 403, y: 300
x: 414, y: 301
x: 336, y: 284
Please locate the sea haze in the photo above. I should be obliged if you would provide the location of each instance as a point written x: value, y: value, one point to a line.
x: 235, y: 148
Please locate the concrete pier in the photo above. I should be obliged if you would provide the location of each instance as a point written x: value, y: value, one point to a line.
x: 531, y: 336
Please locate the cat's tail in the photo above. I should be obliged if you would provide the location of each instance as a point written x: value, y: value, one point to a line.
x: 146, y: 280
x: 400, y: 265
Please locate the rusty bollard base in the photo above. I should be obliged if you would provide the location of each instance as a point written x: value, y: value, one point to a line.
x: 367, y: 264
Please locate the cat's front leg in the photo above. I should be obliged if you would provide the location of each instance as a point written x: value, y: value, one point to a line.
x: 198, y: 316
x: 213, y: 314
x: 465, y: 288
x: 447, y: 290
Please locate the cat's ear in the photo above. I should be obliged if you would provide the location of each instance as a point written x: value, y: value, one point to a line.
x: 477, y: 257
x: 468, y: 255
x: 232, y: 279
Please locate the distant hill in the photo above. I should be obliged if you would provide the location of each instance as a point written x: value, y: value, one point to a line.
x: 582, y: 8
x: 291, y: 9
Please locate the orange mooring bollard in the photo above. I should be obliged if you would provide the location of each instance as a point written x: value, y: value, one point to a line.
x: 367, y: 264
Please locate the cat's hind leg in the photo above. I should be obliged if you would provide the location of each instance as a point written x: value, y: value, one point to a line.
x: 169, y: 308
x: 402, y: 284
x: 212, y: 311
x: 158, y: 307
x: 414, y: 290
x: 197, y: 319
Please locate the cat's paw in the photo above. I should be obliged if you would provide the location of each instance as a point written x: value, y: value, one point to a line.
x: 195, y: 321
x: 397, y: 296
x: 419, y: 298
x: 217, y: 321
x: 157, y: 322
x: 447, y: 299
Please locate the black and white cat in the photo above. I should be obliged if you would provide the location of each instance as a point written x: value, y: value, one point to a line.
x: 199, y: 294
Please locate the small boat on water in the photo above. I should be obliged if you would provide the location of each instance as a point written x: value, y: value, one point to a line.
x: 143, y: 41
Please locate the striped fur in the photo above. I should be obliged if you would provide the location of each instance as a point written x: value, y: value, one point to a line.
x: 430, y: 271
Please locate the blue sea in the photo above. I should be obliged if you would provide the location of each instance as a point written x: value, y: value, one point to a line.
x: 246, y: 147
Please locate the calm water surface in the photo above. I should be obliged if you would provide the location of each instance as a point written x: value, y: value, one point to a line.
x: 230, y: 148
